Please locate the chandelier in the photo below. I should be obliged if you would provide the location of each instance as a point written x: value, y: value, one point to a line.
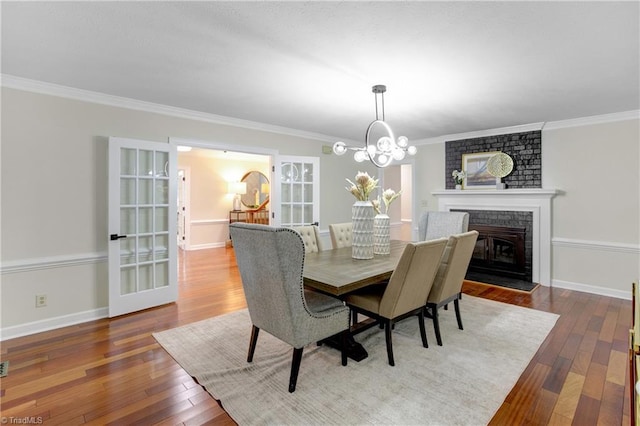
x: 380, y: 145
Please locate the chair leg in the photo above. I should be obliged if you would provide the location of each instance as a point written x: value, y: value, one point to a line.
x: 354, y: 317
x: 456, y: 304
x: 387, y: 333
x: 423, y: 332
x: 252, y: 343
x: 295, y: 367
x: 343, y: 349
x: 436, y: 324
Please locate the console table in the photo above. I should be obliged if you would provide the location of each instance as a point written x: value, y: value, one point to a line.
x: 249, y: 216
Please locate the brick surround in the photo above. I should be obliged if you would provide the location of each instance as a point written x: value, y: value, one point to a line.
x: 525, y: 148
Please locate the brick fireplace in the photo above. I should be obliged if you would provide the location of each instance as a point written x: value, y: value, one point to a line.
x: 512, y: 206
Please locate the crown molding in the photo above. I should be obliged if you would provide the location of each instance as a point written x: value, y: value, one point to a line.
x: 19, y: 83
x: 594, y: 119
x: 481, y: 133
x: 549, y: 125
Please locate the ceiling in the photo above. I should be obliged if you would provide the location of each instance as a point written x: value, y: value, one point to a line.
x: 449, y: 67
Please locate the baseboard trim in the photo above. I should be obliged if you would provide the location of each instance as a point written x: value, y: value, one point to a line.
x: 585, y: 288
x: 221, y: 244
x: 52, y: 323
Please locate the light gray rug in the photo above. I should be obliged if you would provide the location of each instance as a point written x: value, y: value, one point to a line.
x: 463, y: 382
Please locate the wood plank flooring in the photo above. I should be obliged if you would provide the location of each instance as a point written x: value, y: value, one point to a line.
x: 113, y: 371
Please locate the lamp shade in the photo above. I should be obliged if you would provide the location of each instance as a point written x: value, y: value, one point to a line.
x: 264, y: 188
x: 237, y: 188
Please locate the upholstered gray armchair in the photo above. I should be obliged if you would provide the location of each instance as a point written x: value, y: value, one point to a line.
x: 311, y: 237
x: 271, y: 262
x: 432, y: 225
x: 341, y: 234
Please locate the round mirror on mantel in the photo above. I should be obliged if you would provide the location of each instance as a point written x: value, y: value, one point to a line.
x: 257, y: 189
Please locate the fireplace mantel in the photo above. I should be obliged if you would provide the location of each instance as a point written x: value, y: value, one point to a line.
x: 535, y: 200
x: 524, y: 192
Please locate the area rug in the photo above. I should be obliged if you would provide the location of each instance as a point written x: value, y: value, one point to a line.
x: 463, y: 382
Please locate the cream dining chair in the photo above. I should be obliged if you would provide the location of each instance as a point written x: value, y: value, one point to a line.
x: 341, y: 234
x: 311, y: 237
x: 406, y: 293
x: 271, y: 261
x: 447, y: 286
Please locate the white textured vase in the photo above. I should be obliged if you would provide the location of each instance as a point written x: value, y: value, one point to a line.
x: 381, y: 234
x: 458, y: 186
x: 362, y: 215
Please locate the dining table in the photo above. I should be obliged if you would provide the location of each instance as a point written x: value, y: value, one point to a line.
x: 337, y: 273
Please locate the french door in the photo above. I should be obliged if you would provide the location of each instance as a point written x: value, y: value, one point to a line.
x: 298, y: 179
x: 142, y: 225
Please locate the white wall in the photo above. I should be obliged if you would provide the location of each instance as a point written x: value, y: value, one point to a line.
x: 54, y: 198
x: 596, y: 218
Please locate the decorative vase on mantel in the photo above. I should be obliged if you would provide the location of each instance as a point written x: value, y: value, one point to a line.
x: 458, y: 186
x: 362, y: 218
x: 381, y: 234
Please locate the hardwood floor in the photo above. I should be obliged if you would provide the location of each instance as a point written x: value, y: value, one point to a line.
x: 114, y: 372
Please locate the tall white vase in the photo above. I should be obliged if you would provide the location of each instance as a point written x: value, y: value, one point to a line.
x: 362, y: 215
x: 381, y: 234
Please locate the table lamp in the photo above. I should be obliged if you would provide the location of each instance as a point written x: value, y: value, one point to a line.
x: 237, y: 188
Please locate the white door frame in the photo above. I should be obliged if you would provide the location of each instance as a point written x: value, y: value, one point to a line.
x: 186, y: 243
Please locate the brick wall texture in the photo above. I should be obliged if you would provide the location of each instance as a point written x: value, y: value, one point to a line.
x: 525, y: 149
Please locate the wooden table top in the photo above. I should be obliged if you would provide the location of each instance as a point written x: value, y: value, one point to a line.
x: 336, y: 272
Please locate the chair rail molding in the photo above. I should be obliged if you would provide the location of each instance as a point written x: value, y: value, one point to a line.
x: 597, y: 245
x: 534, y: 200
x: 35, y: 264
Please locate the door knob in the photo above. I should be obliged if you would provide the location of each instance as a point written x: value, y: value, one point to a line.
x: 117, y: 237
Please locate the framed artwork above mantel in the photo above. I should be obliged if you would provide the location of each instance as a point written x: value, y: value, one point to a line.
x: 477, y: 174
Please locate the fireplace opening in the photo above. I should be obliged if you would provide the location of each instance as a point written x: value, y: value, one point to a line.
x: 500, y: 250
x: 504, y: 249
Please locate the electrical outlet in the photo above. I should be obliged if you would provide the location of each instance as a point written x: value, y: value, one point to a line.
x: 41, y: 300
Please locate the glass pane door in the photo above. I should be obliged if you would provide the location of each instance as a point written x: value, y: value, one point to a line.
x: 299, y: 190
x: 142, y: 226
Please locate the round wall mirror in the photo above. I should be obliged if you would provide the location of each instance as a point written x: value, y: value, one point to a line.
x: 257, y: 189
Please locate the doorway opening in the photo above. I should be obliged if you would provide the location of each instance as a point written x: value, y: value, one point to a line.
x: 205, y: 197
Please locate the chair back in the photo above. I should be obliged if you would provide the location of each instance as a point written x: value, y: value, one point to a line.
x: 311, y: 237
x: 432, y: 225
x: 341, y: 234
x: 270, y: 261
x: 412, y: 279
x: 453, y: 267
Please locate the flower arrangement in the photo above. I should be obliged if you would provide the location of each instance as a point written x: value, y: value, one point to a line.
x: 376, y: 205
x: 388, y: 197
x: 458, y: 176
x: 363, y: 186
